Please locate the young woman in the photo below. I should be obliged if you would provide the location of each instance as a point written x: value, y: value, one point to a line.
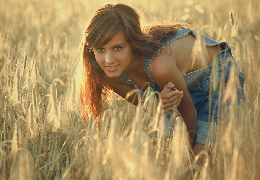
x: 119, y: 55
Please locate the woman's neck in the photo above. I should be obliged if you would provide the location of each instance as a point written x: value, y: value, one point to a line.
x: 136, y: 66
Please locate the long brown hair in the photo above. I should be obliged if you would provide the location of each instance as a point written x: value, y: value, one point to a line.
x: 107, y: 21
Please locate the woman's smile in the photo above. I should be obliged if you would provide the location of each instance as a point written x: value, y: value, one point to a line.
x: 111, y: 68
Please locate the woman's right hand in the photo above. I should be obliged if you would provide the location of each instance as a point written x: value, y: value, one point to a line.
x: 170, y: 97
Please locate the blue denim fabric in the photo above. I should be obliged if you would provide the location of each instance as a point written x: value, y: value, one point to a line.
x: 199, y: 85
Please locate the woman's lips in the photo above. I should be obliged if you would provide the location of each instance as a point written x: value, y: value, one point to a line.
x: 111, y: 68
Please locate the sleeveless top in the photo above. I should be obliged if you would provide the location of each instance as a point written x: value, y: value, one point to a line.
x: 198, y: 82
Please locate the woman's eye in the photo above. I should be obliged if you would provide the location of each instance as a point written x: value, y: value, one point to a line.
x: 117, y: 48
x: 100, y: 49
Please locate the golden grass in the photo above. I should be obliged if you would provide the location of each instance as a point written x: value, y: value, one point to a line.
x: 42, y: 135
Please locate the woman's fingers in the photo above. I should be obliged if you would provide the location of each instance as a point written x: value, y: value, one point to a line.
x: 168, y: 105
x: 170, y: 96
x: 168, y: 87
x: 178, y: 103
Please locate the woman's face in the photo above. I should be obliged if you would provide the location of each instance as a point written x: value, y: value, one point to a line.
x: 115, y: 56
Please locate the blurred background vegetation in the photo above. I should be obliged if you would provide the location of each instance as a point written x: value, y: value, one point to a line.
x: 41, y: 132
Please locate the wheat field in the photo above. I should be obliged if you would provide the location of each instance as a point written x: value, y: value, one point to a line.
x: 42, y: 135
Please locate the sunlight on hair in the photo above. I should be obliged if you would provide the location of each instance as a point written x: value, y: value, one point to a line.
x: 43, y: 134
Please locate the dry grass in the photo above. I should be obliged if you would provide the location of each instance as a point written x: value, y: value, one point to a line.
x: 42, y: 135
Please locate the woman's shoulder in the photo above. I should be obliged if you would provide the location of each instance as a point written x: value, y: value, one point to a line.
x: 178, y: 53
x: 176, y: 46
x: 178, y: 49
x: 181, y: 44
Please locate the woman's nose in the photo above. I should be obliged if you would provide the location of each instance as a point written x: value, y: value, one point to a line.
x: 109, y: 58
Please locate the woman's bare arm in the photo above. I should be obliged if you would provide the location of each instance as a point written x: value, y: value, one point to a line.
x: 164, y: 70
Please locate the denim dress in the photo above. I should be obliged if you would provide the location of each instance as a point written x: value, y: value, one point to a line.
x: 206, y: 100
